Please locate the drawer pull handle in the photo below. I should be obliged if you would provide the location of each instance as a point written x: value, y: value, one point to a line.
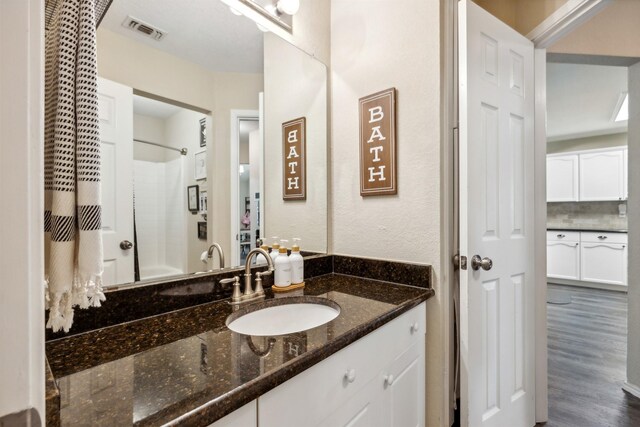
x: 414, y: 328
x: 602, y: 237
x: 388, y: 380
x: 350, y: 376
x: 561, y: 236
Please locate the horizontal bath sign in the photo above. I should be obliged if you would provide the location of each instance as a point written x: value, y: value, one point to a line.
x: 378, y: 144
x: 294, y: 140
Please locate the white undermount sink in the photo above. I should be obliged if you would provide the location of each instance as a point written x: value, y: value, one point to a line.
x: 283, y: 316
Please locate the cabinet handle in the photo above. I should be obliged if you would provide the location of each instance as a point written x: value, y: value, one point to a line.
x: 414, y: 328
x: 561, y: 236
x: 350, y: 376
x: 602, y: 237
x: 388, y: 380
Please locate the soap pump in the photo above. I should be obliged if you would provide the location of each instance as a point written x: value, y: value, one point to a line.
x: 282, y: 264
x: 274, y: 249
x: 297, y: 263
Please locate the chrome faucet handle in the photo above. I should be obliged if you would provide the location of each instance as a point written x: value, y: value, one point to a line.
x: 259, y: 290
x: 237, y: 295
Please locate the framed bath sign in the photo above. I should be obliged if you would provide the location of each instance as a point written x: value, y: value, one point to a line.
x: 294, y: 162
x: 378, y: 144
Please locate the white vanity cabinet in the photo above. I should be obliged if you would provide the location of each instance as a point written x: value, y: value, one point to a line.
x: 602, y: 175
x: 378, y: 380
x: 604, y: 258
x: 563, y: 255
x: 562, y: 178
x: 246, y: 416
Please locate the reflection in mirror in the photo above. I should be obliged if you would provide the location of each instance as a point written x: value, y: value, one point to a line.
x: 192, y: 100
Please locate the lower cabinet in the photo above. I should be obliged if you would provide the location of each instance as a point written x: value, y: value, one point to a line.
x: 378, y: 380
x: 247, y: 416
x: 592, y: 257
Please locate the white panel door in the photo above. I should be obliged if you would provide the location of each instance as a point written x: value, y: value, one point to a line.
x: 496, y: 223
x: 562, y: 178
x: 602, y: 176
x: 563, y: 260
x: 115, y: 105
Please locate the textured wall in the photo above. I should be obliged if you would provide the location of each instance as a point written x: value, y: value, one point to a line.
x: 376, y: 45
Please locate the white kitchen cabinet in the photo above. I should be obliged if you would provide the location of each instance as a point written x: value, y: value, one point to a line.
x: 563, y: 260
x: 604, y: 258
x: 376, y: 381
x: 246, y: 416
x: 562, y: 178
x: 625, y: 161
x: 602, y: 175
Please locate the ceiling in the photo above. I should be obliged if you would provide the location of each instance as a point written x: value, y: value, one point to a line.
x: 581, y: 100
x: 152, y: 108
x: 201, y: 31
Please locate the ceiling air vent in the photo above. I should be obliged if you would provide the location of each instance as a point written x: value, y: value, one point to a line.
x: 141, y: 27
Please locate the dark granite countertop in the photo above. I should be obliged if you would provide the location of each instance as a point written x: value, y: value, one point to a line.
x: 594, y: 230
x: 186, y: 367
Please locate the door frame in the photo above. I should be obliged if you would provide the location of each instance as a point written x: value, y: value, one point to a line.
x: 562, y: 22
x: 236, y: 117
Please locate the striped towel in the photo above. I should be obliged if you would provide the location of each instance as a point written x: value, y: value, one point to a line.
x: 72, y: 217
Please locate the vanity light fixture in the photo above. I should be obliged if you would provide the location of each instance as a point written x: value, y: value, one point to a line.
x: 290, y: 7
x: 621, y: 112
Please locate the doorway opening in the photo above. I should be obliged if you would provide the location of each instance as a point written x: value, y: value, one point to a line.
x: 587, y: 240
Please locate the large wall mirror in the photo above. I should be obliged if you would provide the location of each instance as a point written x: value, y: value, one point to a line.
x: 193, y: 98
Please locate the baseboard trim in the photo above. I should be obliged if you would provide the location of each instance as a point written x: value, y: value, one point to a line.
x: 605, y: 286
x: 633, y: 390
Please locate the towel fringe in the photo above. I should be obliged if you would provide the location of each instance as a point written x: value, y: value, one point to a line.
x: 86, y: 292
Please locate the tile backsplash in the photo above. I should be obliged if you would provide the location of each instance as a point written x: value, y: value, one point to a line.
x: 586, y: 214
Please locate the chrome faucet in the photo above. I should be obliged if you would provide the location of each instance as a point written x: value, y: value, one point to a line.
x: 249, y: 293
x: 220, y: 253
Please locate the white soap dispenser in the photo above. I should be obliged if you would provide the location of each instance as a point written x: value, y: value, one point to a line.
x: 274, y: 249
x: 260, y: 259
x: 297, y: 263
x: 282, y: 264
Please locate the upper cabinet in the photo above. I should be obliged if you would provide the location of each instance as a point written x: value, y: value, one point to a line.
x: 602, y: 176
x: 596, y: 175
x: 562, y: 178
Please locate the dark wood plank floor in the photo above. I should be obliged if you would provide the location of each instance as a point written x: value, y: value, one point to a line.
x: 587, y: 360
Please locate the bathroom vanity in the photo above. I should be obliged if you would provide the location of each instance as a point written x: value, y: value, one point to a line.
x: 186, y: 367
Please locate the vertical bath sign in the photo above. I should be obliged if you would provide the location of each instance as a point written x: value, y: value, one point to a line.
x: 294, y: 140
x: 378, y: 144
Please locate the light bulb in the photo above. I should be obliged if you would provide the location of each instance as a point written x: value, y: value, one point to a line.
x: 290, y: 7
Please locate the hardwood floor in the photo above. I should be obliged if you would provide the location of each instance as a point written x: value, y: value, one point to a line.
x: 587, y: 341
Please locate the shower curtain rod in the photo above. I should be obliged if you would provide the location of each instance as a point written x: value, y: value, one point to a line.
x: 182, y: 151
x: 102, y: 6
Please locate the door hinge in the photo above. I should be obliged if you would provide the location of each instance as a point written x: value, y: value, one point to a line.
x: 459, y: 262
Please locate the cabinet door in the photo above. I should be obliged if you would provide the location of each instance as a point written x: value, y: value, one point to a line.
x: 602, y: 176
x: 363, y: 410
x: 625, y: 180
x: 404, y: 388
x: 562, y: 178
x: 247, y: 416
x: 563, y: 260
x: 604, y: 263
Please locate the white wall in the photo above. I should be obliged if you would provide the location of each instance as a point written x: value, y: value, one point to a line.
x: 376, y: 45
x: 21, y: 192
x: 290, y: 70
x: 151, y: 129
x: 633, y: 344
x: 182, y: 129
